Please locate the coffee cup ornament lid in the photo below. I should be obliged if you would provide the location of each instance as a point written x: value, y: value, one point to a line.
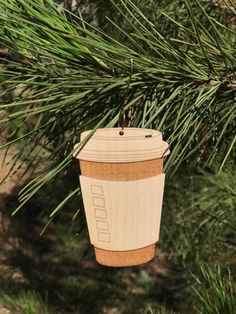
x: 113, y: 146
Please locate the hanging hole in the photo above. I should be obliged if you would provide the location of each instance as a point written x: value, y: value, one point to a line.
x: 121, y: 133
x: 149, y: 135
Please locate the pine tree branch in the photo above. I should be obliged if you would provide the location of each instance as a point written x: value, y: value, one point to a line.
x: 75, y: 75
x: 225, y: 5
x: 231, y: 85
x: 4, y: 52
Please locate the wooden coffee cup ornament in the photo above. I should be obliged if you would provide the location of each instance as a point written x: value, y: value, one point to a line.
x: 122, y: 186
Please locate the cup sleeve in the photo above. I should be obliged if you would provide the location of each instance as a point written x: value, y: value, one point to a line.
x: 123, y: 215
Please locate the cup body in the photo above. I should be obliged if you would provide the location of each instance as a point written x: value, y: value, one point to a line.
x: 136, y: 156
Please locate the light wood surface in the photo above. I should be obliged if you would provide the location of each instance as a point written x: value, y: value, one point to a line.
x: 136, y: 155
x: 118, y: 172
x: 106, y: 145
x: 123, y: 215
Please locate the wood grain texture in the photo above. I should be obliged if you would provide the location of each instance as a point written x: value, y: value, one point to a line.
x: 136, y: 144
x: 123, y: 172
x: 135, y: 155
x: 123, y: 215
x: 125, y: 258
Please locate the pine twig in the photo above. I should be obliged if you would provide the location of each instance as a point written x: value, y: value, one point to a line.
x: 231, y: 85
x: 222, y: 5
x: 5, y: 52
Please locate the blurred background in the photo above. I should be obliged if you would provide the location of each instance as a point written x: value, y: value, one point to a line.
x: 46, y: 262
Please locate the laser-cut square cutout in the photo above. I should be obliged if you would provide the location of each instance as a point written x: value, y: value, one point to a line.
x: 98, y: 201
x: 102, y: 225
x: 96, y: 189
x: 100, y: 213
x: 104, y: 237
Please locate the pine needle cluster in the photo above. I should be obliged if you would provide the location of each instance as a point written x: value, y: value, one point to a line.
x: 64, y: 75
